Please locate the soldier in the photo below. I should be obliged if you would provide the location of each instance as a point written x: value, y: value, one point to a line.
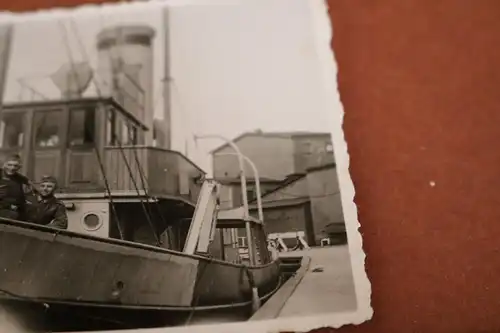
x: 49, y: 210
x: 13, y: 188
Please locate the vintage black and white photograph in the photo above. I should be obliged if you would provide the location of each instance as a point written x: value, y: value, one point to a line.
x: 169, y: 166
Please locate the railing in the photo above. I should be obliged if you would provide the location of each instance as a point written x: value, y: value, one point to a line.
x: 164, y: 172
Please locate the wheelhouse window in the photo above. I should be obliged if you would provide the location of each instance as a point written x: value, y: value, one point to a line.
x: 133, y: 135
x: 47, y: 128
x: 139, y: 137
x: 129, y: 133
x: 111, y: 128
x: 125, y: 133
x: 12, y: 130
x: 120, y: 131
x: 81, y: 127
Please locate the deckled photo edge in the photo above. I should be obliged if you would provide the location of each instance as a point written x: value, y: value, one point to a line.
x: 324, y: 34
x: 103, y: 8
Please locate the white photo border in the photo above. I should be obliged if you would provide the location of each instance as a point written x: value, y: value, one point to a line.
x: 323, y: 32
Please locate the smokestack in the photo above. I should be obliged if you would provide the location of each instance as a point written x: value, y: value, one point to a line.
x: 126, y: 64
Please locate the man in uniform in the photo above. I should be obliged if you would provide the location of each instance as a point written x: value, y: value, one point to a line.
x: 49, y: 210
x: 13, y: 189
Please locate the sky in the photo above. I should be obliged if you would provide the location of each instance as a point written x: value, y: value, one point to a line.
x: 235, y: 67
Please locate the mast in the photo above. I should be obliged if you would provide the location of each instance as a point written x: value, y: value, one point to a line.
x: 167, y: 110
x: 6, y: 32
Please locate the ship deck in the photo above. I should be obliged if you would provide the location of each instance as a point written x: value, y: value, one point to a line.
x: 323, y: 284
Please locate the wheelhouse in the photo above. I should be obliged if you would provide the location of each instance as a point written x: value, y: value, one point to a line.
x: 95, y: 148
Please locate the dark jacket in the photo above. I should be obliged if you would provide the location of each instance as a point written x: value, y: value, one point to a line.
x: 12, y: 193
x: 51, y: 212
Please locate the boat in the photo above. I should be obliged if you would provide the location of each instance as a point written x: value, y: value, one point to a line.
x: 56, y: 277
x: 147, y: 243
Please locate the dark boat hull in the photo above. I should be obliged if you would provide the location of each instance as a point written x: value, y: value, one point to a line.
x: 54, y: 317
x: 124, y: 284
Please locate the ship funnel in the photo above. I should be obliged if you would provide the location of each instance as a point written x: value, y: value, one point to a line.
x: 73, y: 79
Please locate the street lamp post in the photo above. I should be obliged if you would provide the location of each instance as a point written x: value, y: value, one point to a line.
x: 244, y: 195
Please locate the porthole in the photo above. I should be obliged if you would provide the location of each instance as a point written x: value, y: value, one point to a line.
x: 329, y: 148
x: 91, y: 221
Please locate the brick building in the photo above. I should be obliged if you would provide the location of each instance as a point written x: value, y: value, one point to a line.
x: 279, y: 158
x: 317, y: 195
x: 276, y: 155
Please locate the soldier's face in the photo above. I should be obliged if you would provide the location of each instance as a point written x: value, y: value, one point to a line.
x: 11, y: 167
x: 47, y: 188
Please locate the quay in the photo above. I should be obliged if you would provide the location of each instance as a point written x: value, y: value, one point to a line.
x: 323, y: 284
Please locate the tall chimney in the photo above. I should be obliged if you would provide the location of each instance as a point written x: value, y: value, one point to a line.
x: 125, y: 62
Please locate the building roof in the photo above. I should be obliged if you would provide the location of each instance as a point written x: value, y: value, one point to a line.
x: 290, y: 180
x: 259, y: 133
x: 281, y: 203
x: 334, y: 228
x: 236, y: 180
x: 295, y: 178
x: 321, y: 167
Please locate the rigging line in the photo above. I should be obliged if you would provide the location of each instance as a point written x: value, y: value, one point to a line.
x: 132, y: 178
x: 25, y: 85
x: 98, y: 156
x: 184, y: 110
x: 135, y: 151
x: 68, y: 49
x: 114, y: 138
x: 158, y: 96
x: 147, y: 210
x: 144, y: 185
x: 139, y: 166
x: 84, y: 53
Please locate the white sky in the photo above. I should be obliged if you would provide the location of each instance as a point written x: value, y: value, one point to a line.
x: 236, y: 68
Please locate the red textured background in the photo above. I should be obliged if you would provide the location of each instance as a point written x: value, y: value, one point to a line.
x: 420, y: 84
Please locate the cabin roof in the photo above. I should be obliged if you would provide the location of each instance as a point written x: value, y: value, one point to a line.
x: 234, y: 218
x: 281, y: 203
x: 74, y: 102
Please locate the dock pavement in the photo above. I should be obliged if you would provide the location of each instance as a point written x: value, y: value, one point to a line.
x: 323, y: 284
